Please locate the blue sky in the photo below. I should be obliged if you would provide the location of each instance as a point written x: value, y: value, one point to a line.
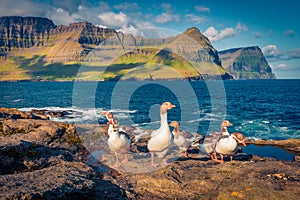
x: 273, y: 25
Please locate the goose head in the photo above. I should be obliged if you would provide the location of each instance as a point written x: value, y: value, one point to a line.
x: 239, y: 138
x: 165, y: 107
x: 109, y: 116
x: 113, y: 125
x: 224, y: 125
x: 176, y: 126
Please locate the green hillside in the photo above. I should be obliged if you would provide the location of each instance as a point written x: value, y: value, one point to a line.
x: 82, y: 51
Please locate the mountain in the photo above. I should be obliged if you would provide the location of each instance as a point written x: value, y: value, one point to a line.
x: 34, y: 48
x: 186, y: 56
x: 246, y: 63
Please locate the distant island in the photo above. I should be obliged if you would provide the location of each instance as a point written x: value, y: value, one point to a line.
x: 34, y: 48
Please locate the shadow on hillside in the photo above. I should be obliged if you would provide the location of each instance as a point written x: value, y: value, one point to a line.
x: 37, y: 68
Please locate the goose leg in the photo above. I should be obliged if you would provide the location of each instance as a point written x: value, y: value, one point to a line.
x: 185, y: 154
x: 217, y: 160
x: 231, y: 158
x: 118, y: 164
x: 164, y: 161
x: 214, y: 156
x: 126, y: 158
x: 222, y: 159
x: 152, y: 160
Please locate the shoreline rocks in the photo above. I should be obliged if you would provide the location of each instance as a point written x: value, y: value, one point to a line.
x: 42, y: 159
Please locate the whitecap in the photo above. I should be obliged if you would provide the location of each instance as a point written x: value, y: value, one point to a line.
x: 17, y: 100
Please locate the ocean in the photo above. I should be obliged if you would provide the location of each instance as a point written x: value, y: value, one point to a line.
x: 260, y: 109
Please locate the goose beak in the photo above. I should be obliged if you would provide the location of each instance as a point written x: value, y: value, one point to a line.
x: 172, y: 106
x: 104, y: 113
x: 244, y: 143
x: 110, y: 122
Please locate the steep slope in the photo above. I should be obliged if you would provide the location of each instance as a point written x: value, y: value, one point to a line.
x: 246, y: 63
x: 23, y: 32
x: 34, y: 48
x: 186, y: 56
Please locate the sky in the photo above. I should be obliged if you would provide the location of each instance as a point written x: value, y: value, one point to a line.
x: 272, y: 25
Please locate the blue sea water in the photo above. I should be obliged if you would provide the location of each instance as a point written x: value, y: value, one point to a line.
x: 262, y: 109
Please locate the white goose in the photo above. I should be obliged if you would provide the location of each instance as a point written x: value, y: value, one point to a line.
x: 118, y: 141
x: 183, y: 139
x: 209, y: 142
x: 228, y: 145
x: 162, y: 138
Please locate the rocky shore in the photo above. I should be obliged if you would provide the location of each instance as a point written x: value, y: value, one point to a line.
x: 43, y: 159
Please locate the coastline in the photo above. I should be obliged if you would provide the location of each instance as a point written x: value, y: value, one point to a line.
x: 36, y: 152
x: 138, y: 80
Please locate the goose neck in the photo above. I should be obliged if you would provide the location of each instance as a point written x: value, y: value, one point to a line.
x: 163, y: 118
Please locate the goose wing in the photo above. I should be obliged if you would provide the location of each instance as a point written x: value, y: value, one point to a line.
x: 210, y: 141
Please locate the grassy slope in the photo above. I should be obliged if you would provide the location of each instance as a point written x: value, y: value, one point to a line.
x: 45, y: 63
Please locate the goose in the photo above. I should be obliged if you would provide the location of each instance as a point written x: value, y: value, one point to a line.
x: 182, y: 139
x: 118, y: 141
x: 162, y: 138
x: 208, y: 143
x: 228, y: 145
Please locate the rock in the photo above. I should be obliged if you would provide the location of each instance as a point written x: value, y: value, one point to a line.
x: 196, y: 179
x: 63, y: 180
x: 12, y: 113
x: 41, y: 159
x: 246, y: 63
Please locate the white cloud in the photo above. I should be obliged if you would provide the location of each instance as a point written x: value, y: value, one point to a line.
x: 214, y: 35
x: 241, y: 27
x: 125, y: 6
x: 60, y: 16
x: 272, y: 51
x: 113, y: 20
x: 279, y: 67
x: 289, y: 32
x: 167, y: 7
x: 257, y: 34
x: 211, y: 33
x: 196, y: 19
x: 21, y: 8
x: 274, y: 54
x: 284, y: 67
x: 294, y: 53
x: 202, y: 9
x: 166, y: 17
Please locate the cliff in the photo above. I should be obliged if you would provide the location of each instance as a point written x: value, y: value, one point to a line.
x: 24, y: 32
x: 246, y: 63
x: 186, y: 56
x: 34, y: 48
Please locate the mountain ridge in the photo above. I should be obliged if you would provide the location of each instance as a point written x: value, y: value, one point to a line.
x: 58, y: 52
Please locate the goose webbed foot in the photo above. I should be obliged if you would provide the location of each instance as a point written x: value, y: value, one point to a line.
x: 152, y: 160
x: 164, y: 162
x: 221, y: 160
x: 125, y: 160
x: 184, y: 155
x: 117, y: 165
